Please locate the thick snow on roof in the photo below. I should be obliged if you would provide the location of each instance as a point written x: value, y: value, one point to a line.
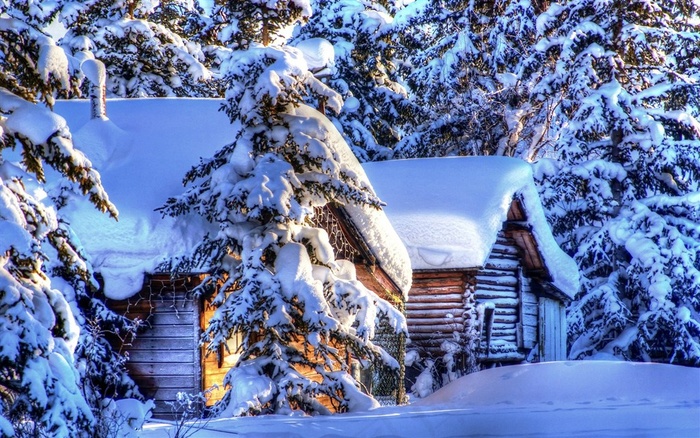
x: 448, y: 211
x: 142, y: 152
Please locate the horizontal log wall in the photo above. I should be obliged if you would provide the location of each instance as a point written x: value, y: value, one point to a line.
x: 435, y: 309
x: 499, y: 282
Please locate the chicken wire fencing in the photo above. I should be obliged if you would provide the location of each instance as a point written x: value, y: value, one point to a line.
x: 386, y: 384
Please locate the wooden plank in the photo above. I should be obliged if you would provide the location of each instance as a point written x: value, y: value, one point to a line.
x: 504, y: 256
x: 503, y: 326
x: 433, y: 321
x: 529, y: 336
x: 505, y: 302
x: 489, y: 294
x: 432, y: 314
x: 169, y: 330
x: 432, y: 274
x: 512, y: 338
x: 506, y: 311
x: 505, y: 318
x: 167, y: 393
x: 436, y: 328
x: 172, y: 318
x: 145, y: 342
x: 160, y: 369
x: 429, y: 338
x: 503, y: 264
x: 496, y: 288
x: 552, y: 326
x: 175, y: 303
x: 161, y: 355
x: 530, y: 310
x: 500, y: 248
x: 529, y: 320
x: 453, y: 298
x: 434, y: 290
x: 488, y: 273
x: 529, y: 298
x: 411, y: 305
x: 496, y: 281
x: 162, y: 411
x: 166, y: 382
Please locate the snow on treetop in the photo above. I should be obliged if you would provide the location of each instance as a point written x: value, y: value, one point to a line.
x: 318, y: 53
x: 143, y: 151
x: 448, y: 211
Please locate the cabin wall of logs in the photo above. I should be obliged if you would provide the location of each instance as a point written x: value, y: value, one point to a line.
x: 500, y: 310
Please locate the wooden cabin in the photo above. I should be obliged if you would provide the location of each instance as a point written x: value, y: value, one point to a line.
x: 142, y: 165
x: 166, y: 357
x: 487, y: 273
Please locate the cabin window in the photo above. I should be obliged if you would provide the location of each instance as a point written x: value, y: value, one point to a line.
x: 229, y: 354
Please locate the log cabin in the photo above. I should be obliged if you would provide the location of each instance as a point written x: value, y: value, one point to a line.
x: 142, y: 165
x: 488, y: 275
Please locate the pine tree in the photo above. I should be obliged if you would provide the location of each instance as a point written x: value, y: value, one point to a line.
x: 622, y: 80
x: 46, y: 284
x: 143, y: 58
x: 273, y: 276
x: 377, y: 106
x: 467, y: 73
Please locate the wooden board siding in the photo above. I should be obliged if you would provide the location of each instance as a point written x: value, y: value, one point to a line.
x: 528, y: 314
x: 500, y: 283
x: 435, y: 309
x: 518, y: 229
x: 552, y: 330
x: 163, y: 357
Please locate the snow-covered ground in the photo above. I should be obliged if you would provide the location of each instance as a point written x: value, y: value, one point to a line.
x: 586, y: 398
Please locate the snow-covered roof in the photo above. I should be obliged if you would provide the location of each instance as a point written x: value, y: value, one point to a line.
x: 142, y: 152
x: 448, y: 211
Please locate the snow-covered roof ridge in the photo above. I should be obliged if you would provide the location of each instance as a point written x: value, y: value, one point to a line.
x: 373, y: 225
x: 448, y: 211
x: 142, y: 153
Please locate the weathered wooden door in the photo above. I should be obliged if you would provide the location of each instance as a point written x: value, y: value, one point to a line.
x: 164, y: 356
x: 551, y: 330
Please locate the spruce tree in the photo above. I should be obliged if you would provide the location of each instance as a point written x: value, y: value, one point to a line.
x: 144, y: 46
x: 465, y: 69
x: 55, y: 373
x: 620, y: 82
x: 377, y: 106
x: 273, y: 276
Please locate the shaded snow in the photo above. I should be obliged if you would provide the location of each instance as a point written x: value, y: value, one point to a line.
x: 143, y: 151
x: 448, y: 211
x: 572, y: 382
x: 550, y: 399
